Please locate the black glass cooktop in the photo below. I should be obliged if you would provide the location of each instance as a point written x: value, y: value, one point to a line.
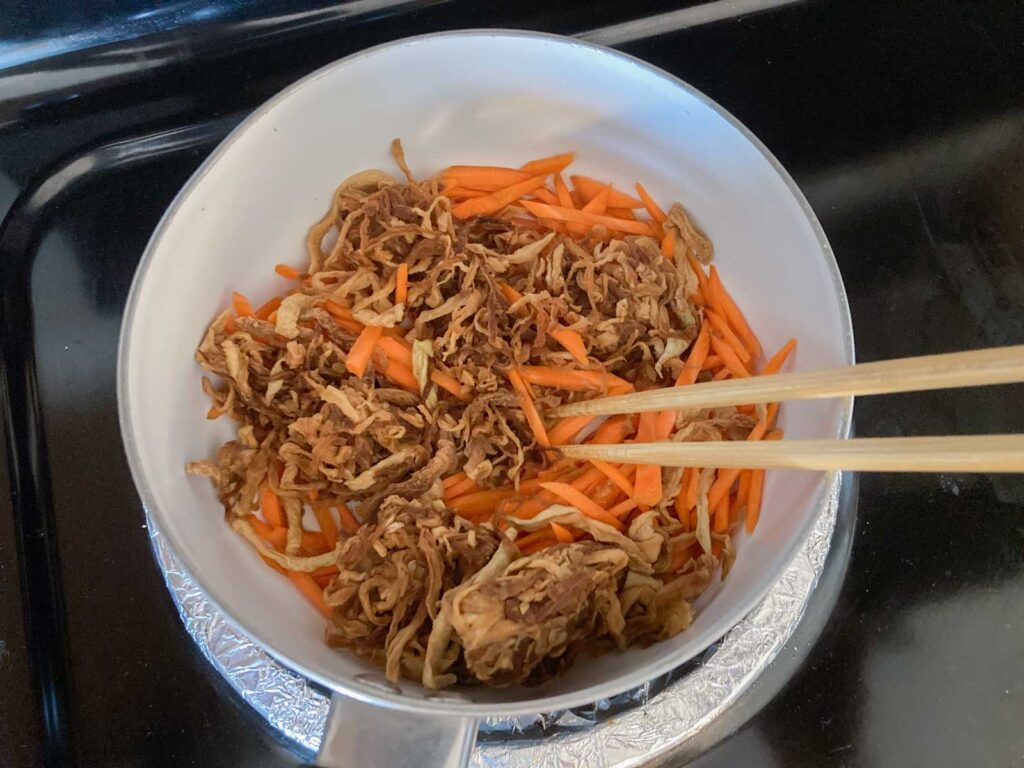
x: 903, y: 122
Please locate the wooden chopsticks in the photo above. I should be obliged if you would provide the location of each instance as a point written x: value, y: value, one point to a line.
x: 970, y: 453
x: 1001, y: 365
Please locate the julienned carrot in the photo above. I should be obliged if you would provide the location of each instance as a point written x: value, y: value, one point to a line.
x: 402, y: 283
x: 615, y: 430
x: 668, y: 245
x: 553, y: 164
x: 588, y: 480
x: 573, y: 343
x: 575, y: 381
x: 599, y: 203
x: 529, y: 409
x: 743, y: 489
x: 495, y: 201
x: 401, y: 375
x: 563, y: 534
x: 779, y: 358
x: 589, y: 188
x: 545, y: 195
x: 615, y: 475
x: 573, y: 497
x: 653, y: 209
x: 480, y: 502
x: 464, y: 193
x: 561, y: 213
x: 267, y: 309
x: 241, y: 305
x: 566, y: 429
x: 451, y: 480
x: 695, y: 360
x: 287, y: 272
x: 273, y: 535
x: 466, y: 485
x: 325, y: 520
x: 400, y: 352
x: 271, y: 506
x: 362, y: 350
x: 310, y: 589
x: 482, y: 176
x: 754, y: 500
x: 562, y: 191
x: 728, y: 355
x: 348, y: 520
x: 725, y: 479
x: 511, y: 294
x: 732, y: 312
x: 216, y: 413
x: 647, y: 486
x: 621, y: 213
x: 723, y: 374
x: 623, y: 508
x: 719, y: 323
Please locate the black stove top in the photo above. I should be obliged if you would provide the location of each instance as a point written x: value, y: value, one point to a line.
x: 903, y: 123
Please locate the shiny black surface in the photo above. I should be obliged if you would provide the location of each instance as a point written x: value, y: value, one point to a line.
x: 902, y: 122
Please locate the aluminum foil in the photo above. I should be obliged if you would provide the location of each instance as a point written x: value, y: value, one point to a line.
x: 631, y: 729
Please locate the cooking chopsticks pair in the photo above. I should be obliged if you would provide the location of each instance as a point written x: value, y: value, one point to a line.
x: 968, y: 453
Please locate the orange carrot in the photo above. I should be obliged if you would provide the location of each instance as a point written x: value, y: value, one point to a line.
x: 691, y: 491
x: 615, y: 475
x: 723, y: 483
x: 451, y: 480
x: 599, y: 203
x: 273, y: 535
x: 359, y: 356
x: 343, y: 316
x: 647, y: 485
x: 241, y: 305
x: 400, y: 352
x: 348, y: 520
x: 779, y: 358
x: 573, y: 343
x: 728, y: 354
x: 545, y: 165
x: 668, y: 245
x: 576, y: 499
x: 467, y: 485
x: 267, y: 309
x: 495, y: 201
x: 559, y: 213
x: 288, y: 273
x: 653, y: 210
x: 719, y: 323
x: 589, y: 188
x: 310, y: 589
x: 562, y: 191
x: 621, y: 213
x: 545, y: 195
x: 575, y: 381
x: 216, y: 413
x: 754, y: 500
x: 621, y: 509
x: 328, y: 527
x: 230, y: 326
x: 480, y: 502
x: 612, y: 431
x: 723, y: 301
x: 482, y: 176
x: 566, y: 429
x: 402, y: 283
x: 511, y: 294
x: 588, y: 480
x: 463, y: 193
x: 271, y: 506
x: 563, y: 534
x: 695, y: 360
x: 402, y: 375
x: 722, y: 374
x: 720, y: 522
x: 529, y: 409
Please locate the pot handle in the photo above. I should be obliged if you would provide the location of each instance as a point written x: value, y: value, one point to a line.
x: 361, y: 735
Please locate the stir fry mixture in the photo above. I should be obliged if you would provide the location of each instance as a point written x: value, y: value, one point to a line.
x: 392, y: 454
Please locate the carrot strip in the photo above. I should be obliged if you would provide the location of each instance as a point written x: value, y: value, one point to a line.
x: 727, y: 306
x: 325, y: 520
x: 310, y: 589
x: 589, y: 188
x: 668, y: 245
x: 647, y: 487
x: 723, y: 373
x: 600, y: 201
x: 495, y: 201
x: 288, y: 273
x: 559, y: 213
x: 241, y: 305
x: 728, y: 355
x: 621, y: 213
x: 268, y: 309
x: 481, y: 176
x: 576, y: 499
x: 754, y: 500
x: 315, y: 543
x: 553, y: 164
x: 545, y: 195
x: 566, y: 429
x: 400, y: 352
x: 451, y: 480
x: 621, y: 509
x: 573, y: 343
x: 575, y: 381
x: 344, y: 317
x: 402, y: 375
x: 653, y: 209
x: 779, y: 358
x: 731, y: 339
x: 529, y: 409
x: 696, y: 359
x: 480, y: 502
x: 723, y: 483
x: 511, y: 294
x: 402, y: 283
x: 562, y: 191
x: 214, y: 413
x: 467, y: 485
x: 348, y: 520
x: 587, y: 481
x: 464, y: 193
x: 615, y: 475
x: 563, y: 534
x: 615, y: 430
x: 271, y: 506
x: 721, y: 513
x: 273, y: 535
